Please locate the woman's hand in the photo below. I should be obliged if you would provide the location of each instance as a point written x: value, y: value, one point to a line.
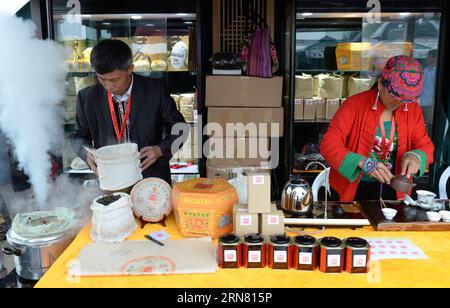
x: 410, y: 165
x: 382, y: 174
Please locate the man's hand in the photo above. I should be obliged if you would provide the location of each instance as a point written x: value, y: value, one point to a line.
x: 91, y: 162
x: 149, y: 155
x: 410, y: 165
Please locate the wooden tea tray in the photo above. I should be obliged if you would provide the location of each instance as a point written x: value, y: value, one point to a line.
x: 408, y: 218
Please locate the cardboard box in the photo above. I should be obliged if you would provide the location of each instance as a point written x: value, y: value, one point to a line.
x: 245, y: 223
x: 258, y: 184
x: 298, y: 109
x: 273, y: 207
x: 240, y: 207
x: 271, y: 223
x: 321, y: 108
x: 240, y: 148
x: 352, y: 56
x: 249, y: 118
x: 243, y: 91
x: 332, y: 107
x: 309, y: 109
x: 304, y: 86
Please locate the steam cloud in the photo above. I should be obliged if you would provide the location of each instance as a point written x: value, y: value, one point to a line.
x: 31, y: 87
x: 65, y: 193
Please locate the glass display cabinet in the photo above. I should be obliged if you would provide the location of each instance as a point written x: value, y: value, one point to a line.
x: 163, y: 42
x: 340, y: 51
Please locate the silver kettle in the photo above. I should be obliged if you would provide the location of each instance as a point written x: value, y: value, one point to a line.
x: 297, y: 197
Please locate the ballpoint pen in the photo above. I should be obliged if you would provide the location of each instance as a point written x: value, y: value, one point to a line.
x: 153, y: 240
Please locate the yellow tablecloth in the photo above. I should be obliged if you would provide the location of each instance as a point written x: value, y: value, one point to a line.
x: 431, y: 272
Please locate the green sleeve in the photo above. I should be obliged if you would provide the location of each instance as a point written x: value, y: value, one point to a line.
x: 423, y: 160
x: 349, y: 167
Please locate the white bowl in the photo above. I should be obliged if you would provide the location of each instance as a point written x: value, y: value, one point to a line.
x: 445, y: 214
x: 425, y: 196
x: 433, y: 216
x: 389, y: 213
x: 446, y: 219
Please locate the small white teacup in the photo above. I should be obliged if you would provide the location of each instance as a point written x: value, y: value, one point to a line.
x: 433, y: 216
x: 445, y: 215
x: 389, y: 213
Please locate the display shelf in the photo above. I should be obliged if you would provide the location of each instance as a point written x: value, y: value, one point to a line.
x: 298, y: 71
x: 90, y: 73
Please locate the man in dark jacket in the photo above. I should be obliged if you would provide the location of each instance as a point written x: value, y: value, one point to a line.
x: 125, y: 107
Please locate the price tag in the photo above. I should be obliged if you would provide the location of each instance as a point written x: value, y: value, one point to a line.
x: 305, y: 258
x: 246, y: 220
x: 334, y: 260
x: 230, y: 255
x: 280, y: 256
x: 254, y: 256
x: 273, y: 219
x: 258, y: 180
x: 359, y: 261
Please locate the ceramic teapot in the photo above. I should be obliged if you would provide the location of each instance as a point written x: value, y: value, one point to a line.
x: 402, y: 184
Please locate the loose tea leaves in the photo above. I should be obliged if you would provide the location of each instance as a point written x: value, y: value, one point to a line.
x: 108, y: 199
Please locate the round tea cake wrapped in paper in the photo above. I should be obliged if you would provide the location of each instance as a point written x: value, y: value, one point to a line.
x: 118, y: 166
x: 113, y: 222
x: 151, y: 199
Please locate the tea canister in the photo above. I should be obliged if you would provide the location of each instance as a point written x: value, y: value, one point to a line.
x: 331, y: 255
x: 254, y: 251
x: 305, y: 253
x: 357, y: 255
x: 230, y: 251
x: 280, y: 252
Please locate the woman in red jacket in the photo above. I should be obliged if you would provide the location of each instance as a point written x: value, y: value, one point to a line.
x: 378, y: 133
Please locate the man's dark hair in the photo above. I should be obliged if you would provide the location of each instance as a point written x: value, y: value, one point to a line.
x: 110, y: 55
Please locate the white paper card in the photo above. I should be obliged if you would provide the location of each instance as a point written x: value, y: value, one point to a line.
x: 258, y: 179
x: 246, y: 220
x: 359, y: 261
x: 229, y: 255
x: 254, y: 256
x: 394, y: 248
x: 334, y: 260
x: 160, y: 235
x: 280, y: 256
x: 305, y: 258
x: 273, y: 219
